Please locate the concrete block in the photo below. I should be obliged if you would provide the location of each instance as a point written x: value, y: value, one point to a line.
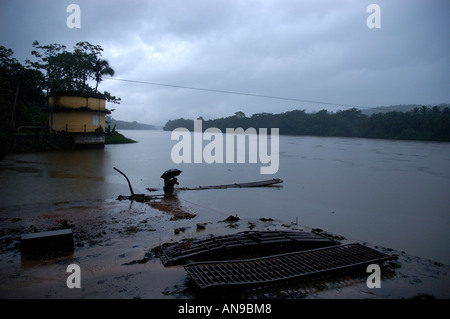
x: 47, y: 241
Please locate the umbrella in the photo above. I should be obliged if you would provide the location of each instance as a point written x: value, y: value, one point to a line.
x: 171, y: 173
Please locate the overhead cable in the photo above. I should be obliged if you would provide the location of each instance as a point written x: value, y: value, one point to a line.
x: 234, y: 92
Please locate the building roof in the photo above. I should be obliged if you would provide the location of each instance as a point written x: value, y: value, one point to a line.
x: 78, y: 93
x: 78, y: 109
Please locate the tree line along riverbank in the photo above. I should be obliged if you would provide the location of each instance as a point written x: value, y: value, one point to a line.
x: 422, y: 123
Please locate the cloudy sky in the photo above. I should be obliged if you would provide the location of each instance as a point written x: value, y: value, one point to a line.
x: 310, y: 55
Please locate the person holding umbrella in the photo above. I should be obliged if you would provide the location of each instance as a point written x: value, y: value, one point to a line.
x: 170, y: 179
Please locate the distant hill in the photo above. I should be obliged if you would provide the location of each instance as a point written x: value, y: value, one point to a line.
x: 398, y: 108
x: 124, y: 125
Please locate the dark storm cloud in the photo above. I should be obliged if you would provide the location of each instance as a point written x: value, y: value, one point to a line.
x: 307, y: 50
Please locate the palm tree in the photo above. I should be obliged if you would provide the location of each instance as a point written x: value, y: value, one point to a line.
x: 101, y: 68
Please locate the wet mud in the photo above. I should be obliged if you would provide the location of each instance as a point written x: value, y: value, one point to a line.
x: 115, y: 245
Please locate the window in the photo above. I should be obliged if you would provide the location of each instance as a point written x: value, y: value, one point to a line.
x: 95, y: 119
x: 53, y: 121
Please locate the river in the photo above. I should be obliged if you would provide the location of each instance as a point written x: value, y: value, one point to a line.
x: 391, y: 193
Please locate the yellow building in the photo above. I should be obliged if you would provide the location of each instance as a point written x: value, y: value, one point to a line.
x: 80, y: 114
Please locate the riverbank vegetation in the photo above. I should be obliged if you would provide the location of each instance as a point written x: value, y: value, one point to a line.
x: 424, y: 123
x: 24, y: 87
x: 115, y: 137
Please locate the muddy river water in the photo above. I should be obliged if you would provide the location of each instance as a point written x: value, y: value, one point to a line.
x: 392, y: 193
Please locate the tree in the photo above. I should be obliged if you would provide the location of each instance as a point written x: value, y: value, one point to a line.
x: 66, y: 71
x: 419, y: 124
x: 8, y: 64
x: 111, y: 99
x: 101, y: 68
x: 87, y: 56
x: 21, y: 95
x: 239, y: 114
x: 46, y: 62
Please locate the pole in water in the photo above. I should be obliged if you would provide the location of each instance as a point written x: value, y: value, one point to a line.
x: 129, y: 184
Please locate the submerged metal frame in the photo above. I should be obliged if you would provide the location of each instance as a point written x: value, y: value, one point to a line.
x: 243, y: 242
x: 280, y: 268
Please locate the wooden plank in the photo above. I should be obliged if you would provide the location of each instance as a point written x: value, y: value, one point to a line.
x: 237, y: 185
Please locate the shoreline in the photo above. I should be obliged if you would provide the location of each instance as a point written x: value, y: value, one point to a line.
x: 114, y: 239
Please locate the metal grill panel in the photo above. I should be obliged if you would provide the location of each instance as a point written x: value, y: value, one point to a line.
x: 244, y: 241
x: 290, y: 266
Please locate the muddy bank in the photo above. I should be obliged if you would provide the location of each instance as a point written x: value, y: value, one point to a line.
x: 114, y: 243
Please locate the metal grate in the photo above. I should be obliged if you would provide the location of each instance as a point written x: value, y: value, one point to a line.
x: 248, y: 241
x: 284, y: 267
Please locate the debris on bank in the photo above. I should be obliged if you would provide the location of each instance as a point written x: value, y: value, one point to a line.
x: 170, y: 181
x: 177, y: 211
x: 247, y: 242
x: 46, y: 241
x: 282, y: 268
x: 265, y: 183
x: 119, y: 241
